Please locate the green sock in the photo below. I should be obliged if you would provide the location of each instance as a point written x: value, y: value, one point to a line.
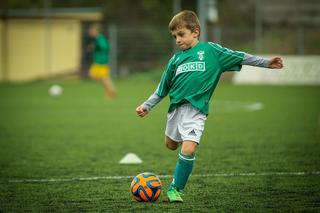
x: 183, y: 169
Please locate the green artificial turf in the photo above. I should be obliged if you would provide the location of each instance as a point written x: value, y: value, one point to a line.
x: 81, y: 134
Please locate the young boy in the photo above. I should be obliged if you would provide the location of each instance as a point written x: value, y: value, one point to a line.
x: 189, y: 79
x: 100, y: 70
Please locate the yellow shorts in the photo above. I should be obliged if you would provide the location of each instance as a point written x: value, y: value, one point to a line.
x: 99, y: 71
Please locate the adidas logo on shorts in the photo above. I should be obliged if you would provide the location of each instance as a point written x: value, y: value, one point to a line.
x: 193, y: 133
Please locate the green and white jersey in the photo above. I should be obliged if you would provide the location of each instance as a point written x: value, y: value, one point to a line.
x: 192, y: 75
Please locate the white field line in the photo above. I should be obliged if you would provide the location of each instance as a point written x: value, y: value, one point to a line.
x: 236, y: 106
x: 250, y: 174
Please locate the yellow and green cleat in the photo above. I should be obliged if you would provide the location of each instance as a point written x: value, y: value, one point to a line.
x: 174, y: 195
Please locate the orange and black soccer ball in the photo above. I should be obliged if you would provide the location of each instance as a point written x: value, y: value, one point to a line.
x: 146, y: 187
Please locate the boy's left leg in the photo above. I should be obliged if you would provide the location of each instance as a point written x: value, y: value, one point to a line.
x: 185, y: 123
x: 184, y: 165
x: 183, y: 170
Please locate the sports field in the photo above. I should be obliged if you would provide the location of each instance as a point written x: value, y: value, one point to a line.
x: 260, y: 150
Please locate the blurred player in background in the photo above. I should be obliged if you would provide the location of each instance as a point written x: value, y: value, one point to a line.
x: 100, y: 69
x: 189, y: 79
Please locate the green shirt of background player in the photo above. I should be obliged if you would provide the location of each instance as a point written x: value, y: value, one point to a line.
x: 189, y: 79
x: 100, y: 69
x: 101, y: 50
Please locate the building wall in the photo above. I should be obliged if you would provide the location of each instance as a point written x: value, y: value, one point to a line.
x: 25, y: 50
x: 66, y: 46
x: 38, y: 49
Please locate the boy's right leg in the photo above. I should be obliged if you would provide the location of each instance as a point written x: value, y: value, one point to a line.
x: 171, y: 144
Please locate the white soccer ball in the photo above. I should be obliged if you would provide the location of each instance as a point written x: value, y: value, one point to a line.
x: 55, y: 90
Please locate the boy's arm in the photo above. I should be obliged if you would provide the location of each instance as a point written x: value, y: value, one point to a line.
x: 257, y: 61
x: 145, y: 108
x: 153, y: 100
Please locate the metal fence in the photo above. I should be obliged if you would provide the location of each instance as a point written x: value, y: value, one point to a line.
x: 144, y: 48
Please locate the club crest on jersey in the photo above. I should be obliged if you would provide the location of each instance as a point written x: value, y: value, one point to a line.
x: 201, y: 55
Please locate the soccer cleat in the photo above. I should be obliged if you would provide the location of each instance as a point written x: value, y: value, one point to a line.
x: 174, y: 195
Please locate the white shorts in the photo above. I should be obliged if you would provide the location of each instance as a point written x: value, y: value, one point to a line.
x: 185, y: 123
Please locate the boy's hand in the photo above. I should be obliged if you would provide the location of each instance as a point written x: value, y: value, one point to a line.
x: 276, y: 63
x: 141, y: 111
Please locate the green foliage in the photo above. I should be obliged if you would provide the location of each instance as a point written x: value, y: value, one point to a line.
x: 82, y: 134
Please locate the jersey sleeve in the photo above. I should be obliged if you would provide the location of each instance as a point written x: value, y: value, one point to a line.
x: 256, y: 61
x: 153, y: 100
x: 165, y: 83
x: 229, y: 60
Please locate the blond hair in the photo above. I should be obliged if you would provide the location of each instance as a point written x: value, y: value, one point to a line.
x: 185, y: 18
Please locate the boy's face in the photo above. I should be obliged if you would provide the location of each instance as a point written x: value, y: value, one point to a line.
x: 185, y: 39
